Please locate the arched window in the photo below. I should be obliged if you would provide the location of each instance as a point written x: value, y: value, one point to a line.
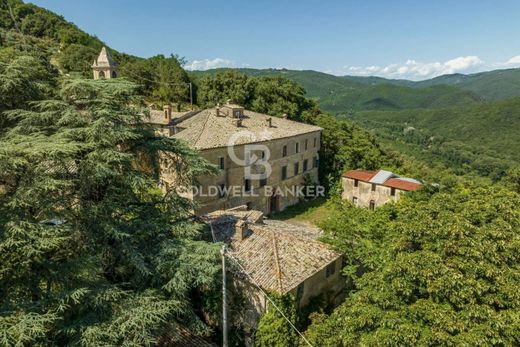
x: 114, y: 74
x: 372, y: 205
x: 101, y: 74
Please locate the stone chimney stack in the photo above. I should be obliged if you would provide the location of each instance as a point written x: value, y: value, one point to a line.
x: 167, y: 112
x: 240, y: 230
x: 270, y: 122
x: 218, y: 110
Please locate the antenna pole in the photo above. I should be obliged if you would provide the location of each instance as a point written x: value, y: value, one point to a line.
x: 224, y: 298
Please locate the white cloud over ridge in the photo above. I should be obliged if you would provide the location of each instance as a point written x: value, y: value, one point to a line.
x: 415, y: 70
x: 207, y: 64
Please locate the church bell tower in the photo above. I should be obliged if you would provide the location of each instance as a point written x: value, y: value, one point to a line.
x: 104, y: 66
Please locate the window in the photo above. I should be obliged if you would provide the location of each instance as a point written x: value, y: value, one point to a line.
x: 101, y: 74
x: 305, y: 165
x: 356, y: 183
x: 315, y: 141
x: 306, y: 144
x: 284, y: 151
x: 296, y: 168
x: 114, y: 74
x: 297, y: 148
x: 372, y: 205
x: 221, y: 163
x: 300, y: 290
x: 316, y: 162
x: 262, y: 155
x: 355, y: 200
x: 247, y: 184
x: 222, y: 190
x: 373, y: 187
x: 284, y: 172
x: 263, y: 182
x: 330, y: 269
x: 392, y: 191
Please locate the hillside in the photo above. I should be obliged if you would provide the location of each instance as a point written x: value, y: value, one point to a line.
x: 340, y: 94
x: 483, y: 136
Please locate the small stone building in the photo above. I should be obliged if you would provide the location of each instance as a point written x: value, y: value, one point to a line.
x: 373, y: 189
x: 242, y: 144
x: 278, y: 257
x: 104, y: 66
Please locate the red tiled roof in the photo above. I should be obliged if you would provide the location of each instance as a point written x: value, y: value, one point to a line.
x: 402, y: 184
x: 398, y: 183
x: 360, y: 175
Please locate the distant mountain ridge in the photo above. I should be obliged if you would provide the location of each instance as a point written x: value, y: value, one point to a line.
x: 339, y: 94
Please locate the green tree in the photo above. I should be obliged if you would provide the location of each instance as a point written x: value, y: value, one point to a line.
x: 91, y: 252
x: 273, y: 330
x: 436, y: 269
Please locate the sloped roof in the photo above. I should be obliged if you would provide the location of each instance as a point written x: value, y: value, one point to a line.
x: 157, y: 117
x: 207, y: 130
x: 384, y: 178
x: 276, y: 255
x: 104, y: 59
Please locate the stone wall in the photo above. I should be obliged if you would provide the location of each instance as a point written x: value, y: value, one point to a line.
x: 363, y: 194
x: 233, y: 174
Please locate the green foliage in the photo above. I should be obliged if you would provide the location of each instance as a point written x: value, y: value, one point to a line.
x: 273, y: 330
x: 22, y: 78
x: 341, y: 94
x: 512, y: 179
x: 436, y: 269
x: 90, y: 252
x: 271, y: 95
x: 448, y: 135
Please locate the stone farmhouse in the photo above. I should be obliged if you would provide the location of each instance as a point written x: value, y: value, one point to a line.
x: 373, y: 189
x: 242, y: 144
x: 278, y: 257
x: 262, y: 160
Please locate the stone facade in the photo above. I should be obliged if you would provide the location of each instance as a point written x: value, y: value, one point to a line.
x: 275, y: 257
x: 104, y: 67
x: 367, y: 189
x: 289, y: 148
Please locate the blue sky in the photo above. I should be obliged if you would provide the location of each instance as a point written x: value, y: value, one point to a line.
x: 391, y: 38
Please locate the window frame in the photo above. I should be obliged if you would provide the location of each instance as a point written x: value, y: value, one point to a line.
x: 284, y: 172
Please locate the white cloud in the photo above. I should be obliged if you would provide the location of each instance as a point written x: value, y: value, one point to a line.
x: 206, y: 64
x: 514, y: 61
x: 416, y: 70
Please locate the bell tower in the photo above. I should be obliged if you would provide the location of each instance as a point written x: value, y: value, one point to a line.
x: 104, y: 66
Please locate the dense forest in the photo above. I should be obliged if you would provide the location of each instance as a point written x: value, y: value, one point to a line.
x: 92, y: 252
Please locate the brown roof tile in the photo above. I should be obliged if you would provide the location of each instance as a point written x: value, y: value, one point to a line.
x: 207, y: 130
x: 276, y: 255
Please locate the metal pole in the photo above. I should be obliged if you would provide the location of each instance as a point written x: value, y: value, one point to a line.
x: 191, y: 96
x: 224, y: 299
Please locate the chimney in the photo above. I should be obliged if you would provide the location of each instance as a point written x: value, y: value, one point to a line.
x: 270, y: 122
x: 240, y: 230
x: 167, y: 112
x: 218, y: 110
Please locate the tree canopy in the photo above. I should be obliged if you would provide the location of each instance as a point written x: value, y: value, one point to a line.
x: 91, y: 252
x: 436, y: 269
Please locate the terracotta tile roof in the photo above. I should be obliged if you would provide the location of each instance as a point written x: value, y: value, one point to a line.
x: 207, y: 130
x: 402, y: 184
x: 277, y: 255
x: 391, y: 180
x: 361, y: 175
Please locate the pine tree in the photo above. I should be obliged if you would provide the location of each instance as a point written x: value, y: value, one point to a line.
x: 91, y: 251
